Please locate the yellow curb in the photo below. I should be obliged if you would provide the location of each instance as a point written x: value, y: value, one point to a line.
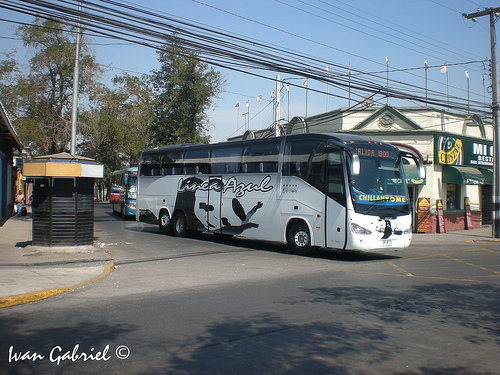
x: 37, y: 296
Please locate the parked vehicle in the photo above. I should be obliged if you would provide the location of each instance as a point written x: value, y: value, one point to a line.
x: 124, y: 191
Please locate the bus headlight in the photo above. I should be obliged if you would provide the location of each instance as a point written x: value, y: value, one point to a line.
x: 408, y: 230
x: 357, y: 229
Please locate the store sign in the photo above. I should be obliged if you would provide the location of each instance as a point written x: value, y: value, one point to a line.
x: 457, y: 151
x: 440, y: 215
x: 424, y: 215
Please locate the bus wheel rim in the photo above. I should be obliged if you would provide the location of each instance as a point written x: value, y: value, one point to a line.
x: 164, y: 220
x: 301, y: 238
x: 179, y: 225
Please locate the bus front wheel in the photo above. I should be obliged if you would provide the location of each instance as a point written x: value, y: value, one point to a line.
x: 180, y: 225
x: 299, y: 239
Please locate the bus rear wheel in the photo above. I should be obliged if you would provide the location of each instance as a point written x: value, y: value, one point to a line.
x: 180, y: 224
x: 299, y: 239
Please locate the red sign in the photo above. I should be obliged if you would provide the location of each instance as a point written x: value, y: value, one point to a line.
x: 424, y: 217
x: 439, y: 206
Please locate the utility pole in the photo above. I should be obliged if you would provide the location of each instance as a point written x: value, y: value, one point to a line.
x: 277, y: 106
x: 76, y: 73
x: 494, y: 109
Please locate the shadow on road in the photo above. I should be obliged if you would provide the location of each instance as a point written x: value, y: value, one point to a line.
x: 361, y: 334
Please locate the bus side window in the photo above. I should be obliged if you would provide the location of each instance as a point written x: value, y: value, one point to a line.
x: 151, y: 165
x: 335, y: 188
x: 261, y: 157
x: 305, y: 159
x: 226, y: 160
x: 316, y: 176
x: 197, y: 161
x: 171, y: 163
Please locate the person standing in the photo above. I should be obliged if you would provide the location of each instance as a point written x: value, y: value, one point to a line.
x: 19, y: 200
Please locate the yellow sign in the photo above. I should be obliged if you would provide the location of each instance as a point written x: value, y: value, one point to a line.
x: 451, y: 153
x: 424, y: 202
x: 386, y: 198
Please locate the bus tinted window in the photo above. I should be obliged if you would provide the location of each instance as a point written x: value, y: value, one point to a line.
x: 171, y: 163
x: 261, y: 157
x: 316, y: 173
x: 226, y: 160
x: 150, y: 165
x: 335, y: 172
x: 197, y: 161
x: 306, y: 159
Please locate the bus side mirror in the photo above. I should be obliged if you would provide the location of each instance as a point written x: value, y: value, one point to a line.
x: 355, y: 164
x: 418, y: 162
x: 421, y: 169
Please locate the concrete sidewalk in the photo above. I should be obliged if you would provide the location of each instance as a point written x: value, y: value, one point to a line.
x: 477, y: 235
x: 31, y: 273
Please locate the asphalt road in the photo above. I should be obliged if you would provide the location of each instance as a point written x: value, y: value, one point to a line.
x: 202, y: 306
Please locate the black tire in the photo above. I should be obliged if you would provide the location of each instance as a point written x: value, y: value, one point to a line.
x: 164, y: 222
x: 299, y: 239
x: 179, y: 225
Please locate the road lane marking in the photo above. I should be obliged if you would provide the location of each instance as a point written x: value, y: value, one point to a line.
x: 399, y: 269
x: 362, y: 268
x: 472, y: 265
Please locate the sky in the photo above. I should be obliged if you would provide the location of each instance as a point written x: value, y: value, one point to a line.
x: 362, y: 34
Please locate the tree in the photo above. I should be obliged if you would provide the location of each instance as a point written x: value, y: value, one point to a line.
x: 185, y: 88
x: 8, y: 71
x: 40, y: 100
x: 136, y: 114
x: 117, y: 129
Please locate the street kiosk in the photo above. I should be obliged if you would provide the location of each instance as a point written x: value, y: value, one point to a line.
x: 63, y: 199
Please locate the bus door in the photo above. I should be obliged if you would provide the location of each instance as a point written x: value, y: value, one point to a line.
x: 211, y: 204
x: 335, y: 206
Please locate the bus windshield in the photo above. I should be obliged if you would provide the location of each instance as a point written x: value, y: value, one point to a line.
x: 132, y: 186
x: 380, y: 188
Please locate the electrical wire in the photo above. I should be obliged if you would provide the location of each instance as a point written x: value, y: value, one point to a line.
x: 137, y: 25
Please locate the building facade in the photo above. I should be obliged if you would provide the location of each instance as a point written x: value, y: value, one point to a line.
x: 457, y: 151
x: 9, y: 142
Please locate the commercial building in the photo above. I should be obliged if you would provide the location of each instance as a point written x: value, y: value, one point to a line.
x: 9, y: 142
x: 457, y: 150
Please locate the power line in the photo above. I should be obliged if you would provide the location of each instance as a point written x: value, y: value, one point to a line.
x: 137, y: 25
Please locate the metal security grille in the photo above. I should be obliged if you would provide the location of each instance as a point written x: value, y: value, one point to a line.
x: 63, y: 211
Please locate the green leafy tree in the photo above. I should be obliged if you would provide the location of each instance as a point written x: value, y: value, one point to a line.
x: 185, y: 88
x: 117, y: 127
x: 8, y: 71
x: 137, y: 114
x: 40, y: 99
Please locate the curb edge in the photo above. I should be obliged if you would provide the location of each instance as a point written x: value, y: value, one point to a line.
x: 43, y: 294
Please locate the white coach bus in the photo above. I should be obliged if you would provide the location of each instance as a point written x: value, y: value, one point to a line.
x: 310, y: 190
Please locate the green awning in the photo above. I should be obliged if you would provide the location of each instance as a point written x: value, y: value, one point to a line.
x: 462, y: 175
x: 411, y: 174
x: 488, y: 175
